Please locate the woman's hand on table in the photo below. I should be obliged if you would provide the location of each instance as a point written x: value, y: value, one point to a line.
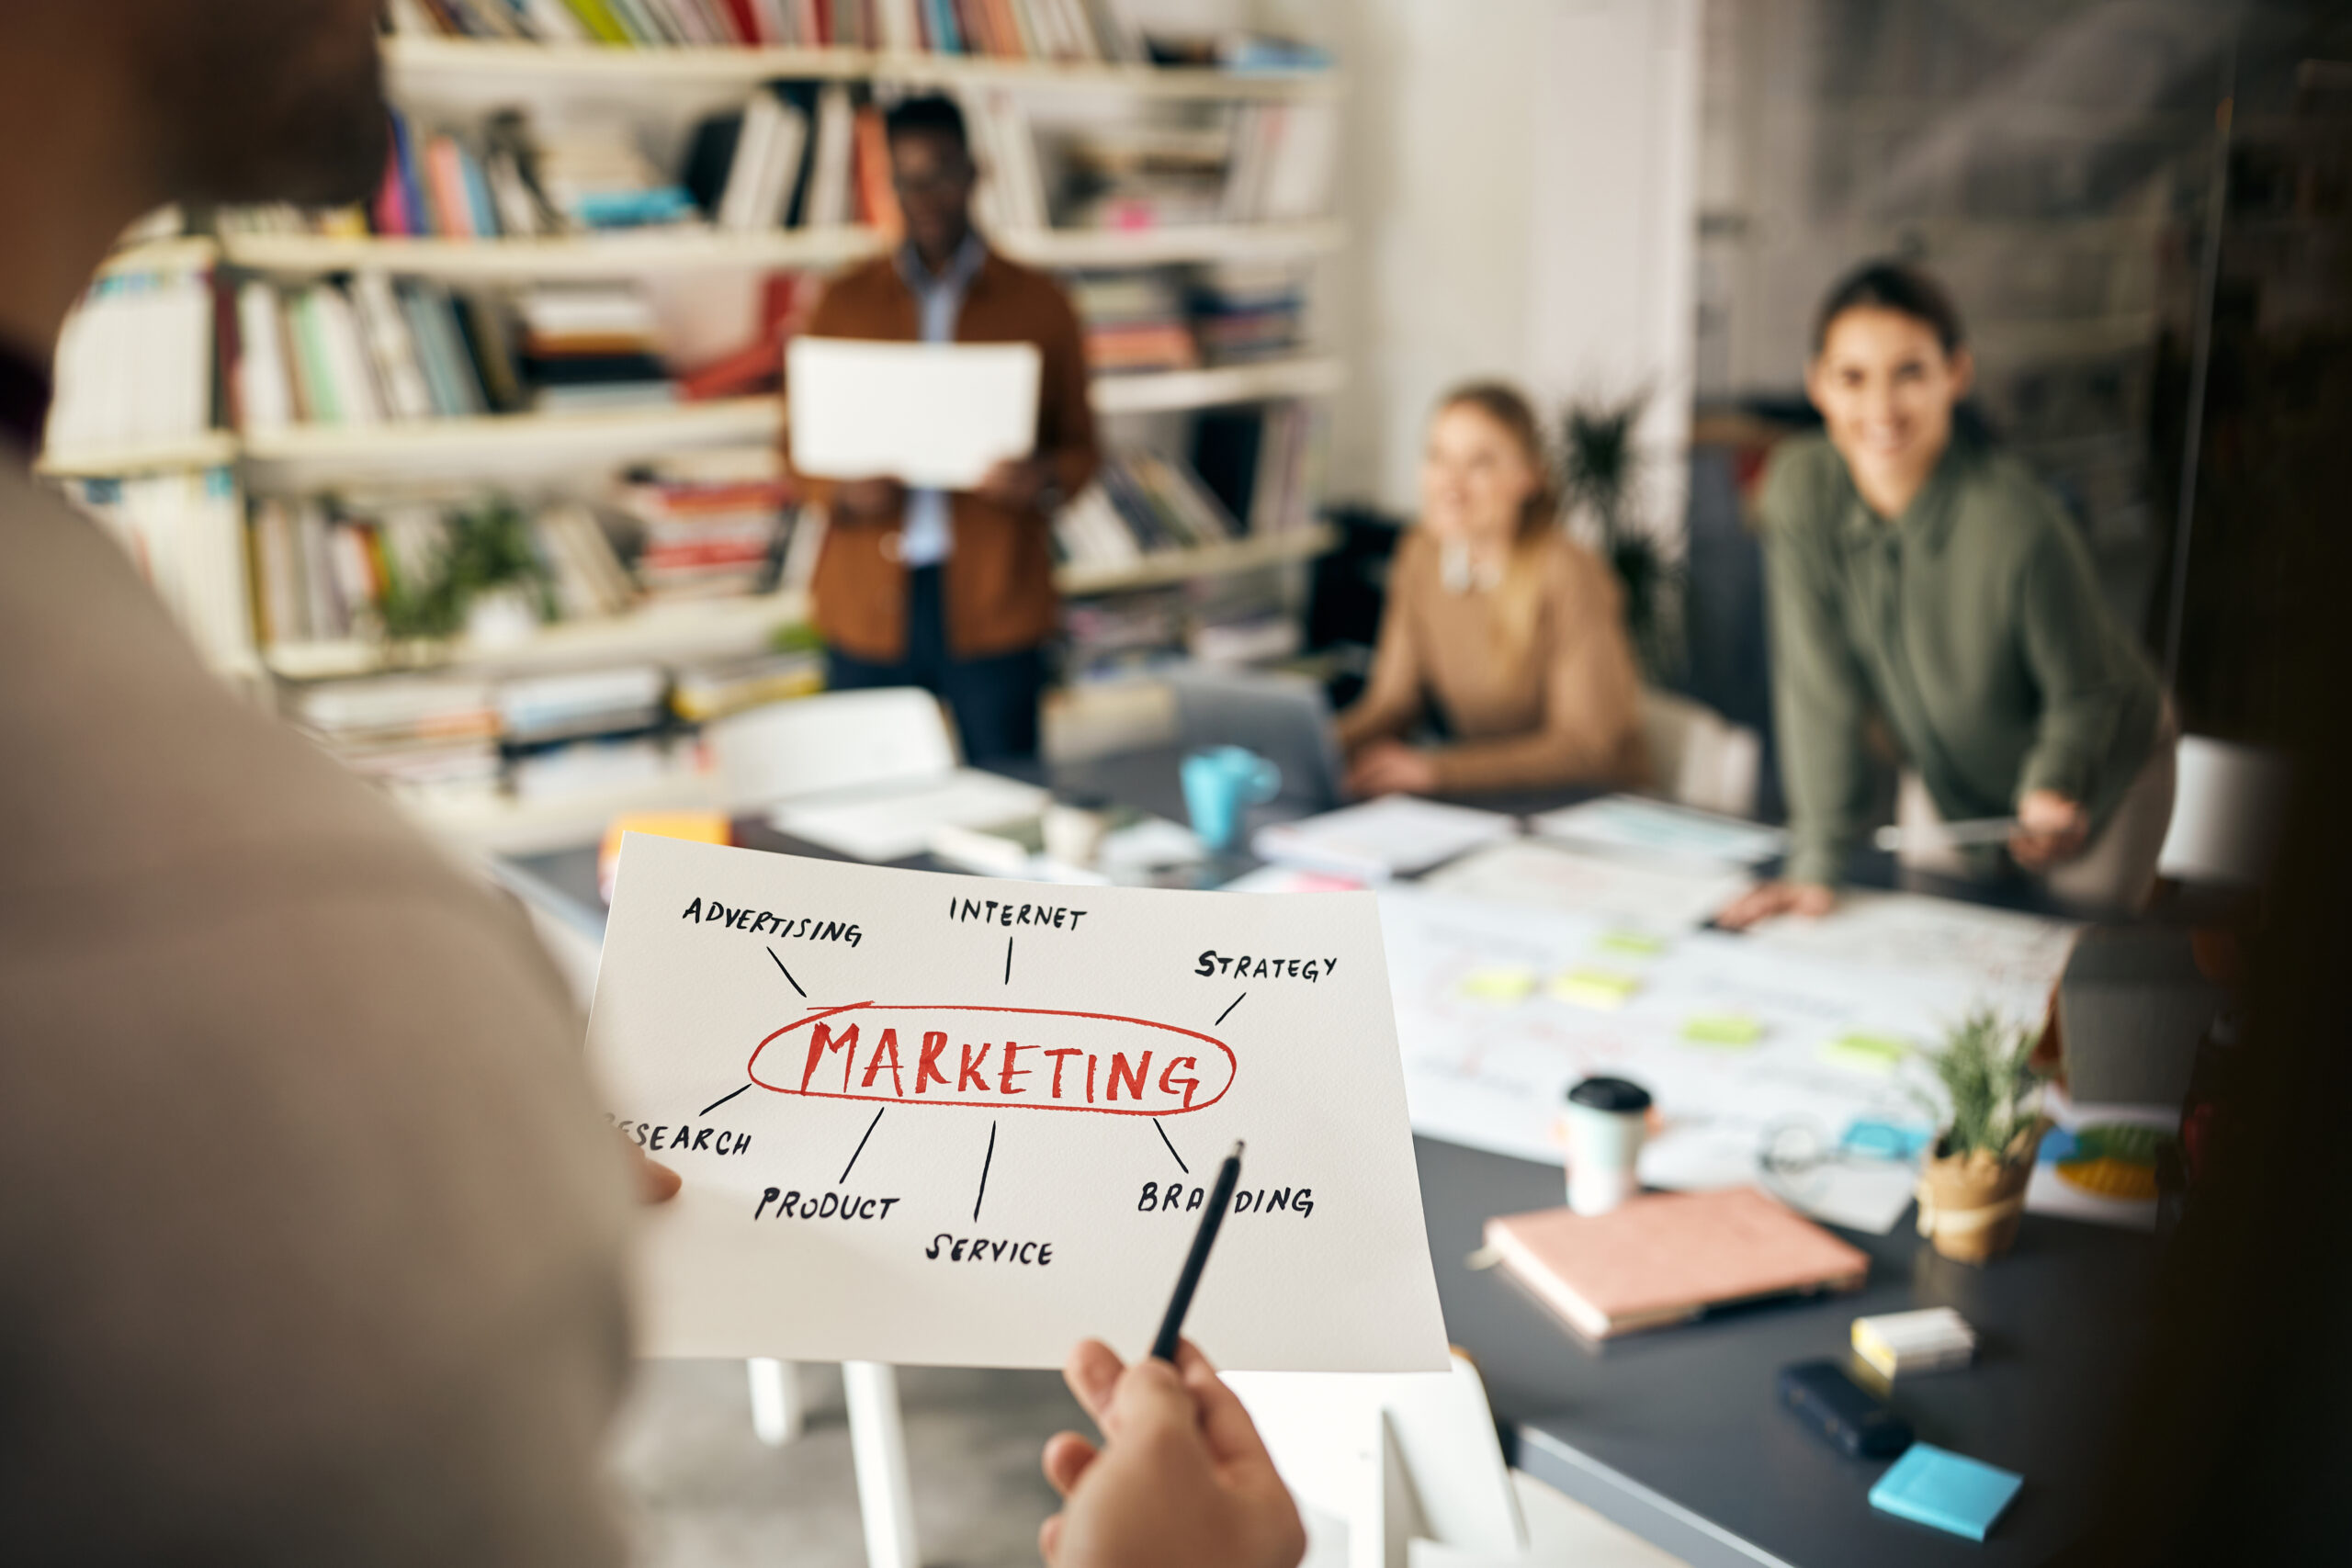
x: 1388, y: 767
x: 1182, y: 1476
x: 2051, y: 830
x: 1767, y: 900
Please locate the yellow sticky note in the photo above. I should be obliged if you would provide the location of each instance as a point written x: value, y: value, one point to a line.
x: 1721, y: 1029
x: 1634, y: 944
x: 1607, y: 990
x: 1865, y: 1053
x: 1501, y: 985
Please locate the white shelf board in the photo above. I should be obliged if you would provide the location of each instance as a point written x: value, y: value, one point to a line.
x: 305, y: 457
x: 681, y: 629
x: 182, y: 253
x: 1214, y: 561
x: 1156, y: 391
x: 619, y: 255
x: 424, y: 64
x: 505, y: 826
x: 211, y: 449
x: 1177, y: 242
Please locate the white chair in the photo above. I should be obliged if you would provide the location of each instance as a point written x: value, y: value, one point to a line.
x: 1698, y: 758
x: 836, y: 741
x: 2226, y: 811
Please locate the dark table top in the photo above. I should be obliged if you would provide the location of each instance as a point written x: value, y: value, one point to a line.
x: 1676, y: 1434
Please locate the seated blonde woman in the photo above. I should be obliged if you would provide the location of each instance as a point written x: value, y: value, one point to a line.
x: 1501, y: 633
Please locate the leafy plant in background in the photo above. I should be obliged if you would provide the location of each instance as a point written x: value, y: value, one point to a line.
x: 1991, y: 1092
x: 1600, y: 473
x: 487, y: 550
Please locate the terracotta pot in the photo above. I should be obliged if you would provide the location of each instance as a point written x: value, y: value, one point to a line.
x: 1969, y: 1205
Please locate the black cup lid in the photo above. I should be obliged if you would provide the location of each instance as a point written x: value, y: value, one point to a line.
x: 1610, y: 1094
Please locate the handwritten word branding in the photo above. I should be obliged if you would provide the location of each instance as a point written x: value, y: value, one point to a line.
x: 1177, y: 1198
x: 1247, y: 967
x: 1012, y: 1058
x: 991, y: 912
x: 763, y: 922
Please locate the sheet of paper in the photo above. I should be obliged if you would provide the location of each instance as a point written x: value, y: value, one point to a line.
x: 1644, y: 901
x: 1655, y: 829
x: 1488, y: 1064
x: 944, y: 1120
x: 892, y: 823
x: 932, y: 414
x: 1911, y: 932
x: 1395, y: 836
x: 2098, y: 1161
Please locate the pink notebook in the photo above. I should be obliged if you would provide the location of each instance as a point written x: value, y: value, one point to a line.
x: 1667, y: 1256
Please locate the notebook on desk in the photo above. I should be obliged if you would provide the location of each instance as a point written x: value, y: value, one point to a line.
x: 1667, y: 1258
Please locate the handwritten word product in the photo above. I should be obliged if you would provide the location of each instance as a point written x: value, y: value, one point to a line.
x: 952, y: 1121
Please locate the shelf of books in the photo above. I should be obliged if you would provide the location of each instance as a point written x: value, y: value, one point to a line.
x: 425, y: 64
x: 1251, y: 553
x: 311, y: 456
x: 204, y: 449
x: 1174, y: 390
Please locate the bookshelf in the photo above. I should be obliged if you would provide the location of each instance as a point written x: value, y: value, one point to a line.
x: 451, y: 83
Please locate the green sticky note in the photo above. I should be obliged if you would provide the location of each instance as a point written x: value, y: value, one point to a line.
x: 1501, y: 985
x: 1866, y: 1052
x: 1635, y: 944
x: 1721, y: 1029
x: 1607, y: 990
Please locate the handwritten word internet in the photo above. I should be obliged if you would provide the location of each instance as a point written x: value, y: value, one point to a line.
x: 1248, y: 967
x: 1018, y: 1059
x: 990, y: 912
x: 760, y: 922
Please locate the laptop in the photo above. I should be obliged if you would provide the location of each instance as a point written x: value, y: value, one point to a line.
x: 1284, y: 718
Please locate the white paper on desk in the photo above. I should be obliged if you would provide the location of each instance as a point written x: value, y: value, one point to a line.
x: 937, y: 415
x: 1397, y: 835
x: 1648, y: 898
x: 712, y: 1025
x: 1655, y: 829
x: 892, y: 821
x: 1911, y: 932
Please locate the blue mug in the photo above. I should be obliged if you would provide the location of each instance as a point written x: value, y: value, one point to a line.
x: 1222, y: 781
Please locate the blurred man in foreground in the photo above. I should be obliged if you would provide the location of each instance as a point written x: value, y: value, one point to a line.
x: 311, y: 1236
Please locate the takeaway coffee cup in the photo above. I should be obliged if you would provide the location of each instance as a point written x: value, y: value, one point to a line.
x: 1605, y: 1120
x: 1219, y: 783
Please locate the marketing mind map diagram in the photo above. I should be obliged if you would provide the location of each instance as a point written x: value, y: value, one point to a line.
x: 946, y: 1119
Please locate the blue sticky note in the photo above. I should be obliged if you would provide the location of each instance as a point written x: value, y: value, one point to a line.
x: 1934, y: 1486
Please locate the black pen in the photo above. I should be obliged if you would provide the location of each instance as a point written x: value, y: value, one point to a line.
x: 1171, y: 1327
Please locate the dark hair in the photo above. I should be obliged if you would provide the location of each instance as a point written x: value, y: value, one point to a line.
x: 1504, y: 404
x: 930, y: 115
x: 1893, y: 286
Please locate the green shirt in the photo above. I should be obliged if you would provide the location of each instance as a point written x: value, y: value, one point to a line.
x: 1972, y: 623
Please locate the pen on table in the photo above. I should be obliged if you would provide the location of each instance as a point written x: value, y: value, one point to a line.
x: 1928, y: 835
x: 1171, y: 1327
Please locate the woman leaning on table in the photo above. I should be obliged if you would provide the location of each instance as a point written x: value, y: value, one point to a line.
x: 1501, y: 633
x: 1920, y: 574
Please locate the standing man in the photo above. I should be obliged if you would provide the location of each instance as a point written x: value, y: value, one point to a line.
x: 953, y: 593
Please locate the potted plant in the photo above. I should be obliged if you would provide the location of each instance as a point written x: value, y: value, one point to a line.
x: 1600, y: 478
x: 1987, y: 1099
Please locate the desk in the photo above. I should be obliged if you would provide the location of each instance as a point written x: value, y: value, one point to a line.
x: 1677, y: 1435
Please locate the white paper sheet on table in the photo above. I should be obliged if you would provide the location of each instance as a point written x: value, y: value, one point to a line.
x: 893, y: 821
x: 1655, y: 829
x: 1489, y: 1052
x: 711, y: 1026
x: 1639, y: 898
x: 1395, y: 836
x: 934, y: 414
x: 1912, y: 932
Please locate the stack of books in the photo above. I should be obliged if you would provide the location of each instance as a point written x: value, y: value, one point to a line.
x: 1010, y: 29
x: 592, y: 346
x: 1259, y: 463
x: 1284, y: 157
x: 429, y: 735
x: 134, y: 361
x: 1141, y: 503
x: 714, y: 526
x: 1135, y: 321
x: 1245, y: 311
x: 1145, y: 177
x: 366, y: 353
x: 1129, y: 633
